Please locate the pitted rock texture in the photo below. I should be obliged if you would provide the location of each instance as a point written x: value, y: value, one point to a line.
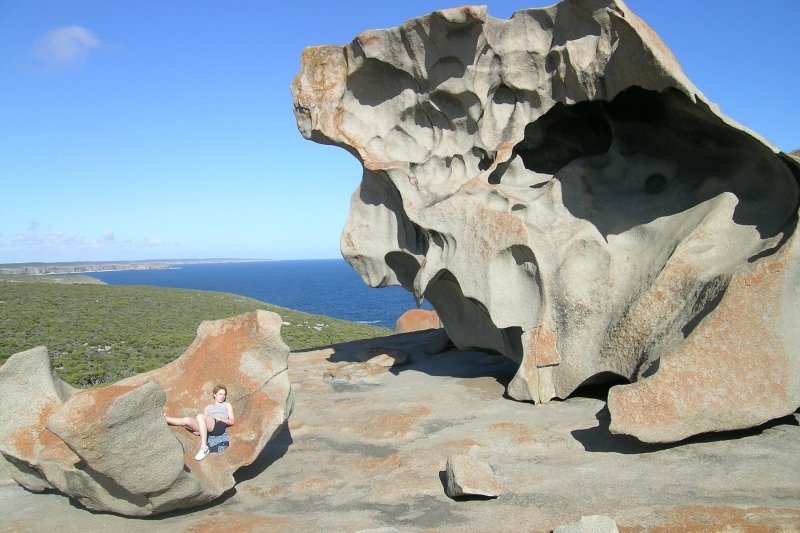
x: 563, y: 195
x: 111, y: 449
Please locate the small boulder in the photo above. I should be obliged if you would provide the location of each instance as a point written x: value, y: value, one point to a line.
x: 469, y: 477
x: 417, y: 320
x: 374, y: 364
x: 389, y: 358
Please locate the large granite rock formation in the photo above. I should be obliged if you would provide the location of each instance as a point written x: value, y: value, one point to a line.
x: 563, y: 195
x: 111, y: 449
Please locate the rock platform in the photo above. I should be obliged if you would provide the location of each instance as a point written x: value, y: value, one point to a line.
x: 358, y: 456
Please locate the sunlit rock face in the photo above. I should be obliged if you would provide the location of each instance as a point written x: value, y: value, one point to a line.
x: 564, y: 196
x: 110, y: 448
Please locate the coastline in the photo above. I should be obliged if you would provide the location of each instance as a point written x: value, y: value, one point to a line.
x: 81, y: 267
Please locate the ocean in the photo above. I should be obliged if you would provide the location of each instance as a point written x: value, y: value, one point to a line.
x: 327, y: 287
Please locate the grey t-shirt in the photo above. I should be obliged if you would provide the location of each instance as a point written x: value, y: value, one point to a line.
x: 218, y: 410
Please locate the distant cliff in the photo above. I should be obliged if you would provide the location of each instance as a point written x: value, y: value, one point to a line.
x: 70, y: 268
x: 101, y: 266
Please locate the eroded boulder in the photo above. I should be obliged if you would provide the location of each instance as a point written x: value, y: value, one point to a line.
x: 417, y: 320
x: 563, y: 195
x: 111, y: 449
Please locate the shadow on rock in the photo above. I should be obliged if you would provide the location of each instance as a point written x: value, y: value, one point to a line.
x: 451, y: 363
x: 274, y: 450
x: 465, y: 498
x: 227, y: 495
x: 600, y: 439
x: 360, y: 351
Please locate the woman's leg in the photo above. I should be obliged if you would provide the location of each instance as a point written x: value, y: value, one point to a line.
x: 185, y: 421
x: 205, y: 424
x: 200, y: 425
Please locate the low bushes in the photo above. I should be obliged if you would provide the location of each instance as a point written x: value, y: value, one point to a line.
x: 98, y: 334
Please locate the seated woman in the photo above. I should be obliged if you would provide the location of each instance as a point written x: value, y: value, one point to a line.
x: 215, y: 421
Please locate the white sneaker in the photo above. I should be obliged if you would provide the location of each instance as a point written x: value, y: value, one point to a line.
x: 201, y: 454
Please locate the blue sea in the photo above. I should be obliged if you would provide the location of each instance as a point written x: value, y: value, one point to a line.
x: 323, y: 286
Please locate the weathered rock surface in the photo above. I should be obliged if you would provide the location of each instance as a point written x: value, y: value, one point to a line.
x: 469, y: 477
x: 589, y: 524
x: 34, y: 392
x: 417, y: 320
x: 563, y: 195
x: 355, y: 457
x: 389, y: 359
x: 111, y: 449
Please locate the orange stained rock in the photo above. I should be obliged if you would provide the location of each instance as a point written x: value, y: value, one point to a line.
x: 417, y: 320
x: 519, y: 433
x: 684, y: 398
x: 701, y: 519
x: 542, y: 346
x: 232, y: 522
x: 386, y: 425
x: 244, y: 353
x: 26, y: 438
x: 390, y: 462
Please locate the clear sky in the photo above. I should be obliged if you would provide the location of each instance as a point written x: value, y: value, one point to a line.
x: 164, y: 129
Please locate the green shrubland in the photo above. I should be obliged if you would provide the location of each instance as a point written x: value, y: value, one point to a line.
x: 61, y: 279
x: 98, y: 334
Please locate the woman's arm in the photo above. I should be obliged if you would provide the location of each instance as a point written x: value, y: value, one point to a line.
x: 230, y: 419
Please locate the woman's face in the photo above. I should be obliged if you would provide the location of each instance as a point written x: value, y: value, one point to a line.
x: 220, y: 395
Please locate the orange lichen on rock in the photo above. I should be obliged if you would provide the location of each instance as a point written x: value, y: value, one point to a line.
x: 417, y: 320
x: 574, y: 204
x: 98, y: 428
x: 390, y: 425
x: 685, y: 398
x: 702, y: 519
x: 233, y: 522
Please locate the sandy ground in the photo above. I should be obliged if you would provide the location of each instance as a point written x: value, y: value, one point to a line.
x: 366, y: 448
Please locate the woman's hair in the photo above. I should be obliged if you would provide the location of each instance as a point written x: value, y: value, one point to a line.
x: 220, y: 387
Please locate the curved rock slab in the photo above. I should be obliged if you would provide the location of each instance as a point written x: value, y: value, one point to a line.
x: 563, y: 195
x: 110, y: 448
x: 34, y: 392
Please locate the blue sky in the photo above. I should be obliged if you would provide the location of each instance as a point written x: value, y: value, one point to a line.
x: 164, y: 129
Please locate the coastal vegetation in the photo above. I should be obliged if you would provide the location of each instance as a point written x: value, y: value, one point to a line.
x: 97, y: 334
x: 63, y: 280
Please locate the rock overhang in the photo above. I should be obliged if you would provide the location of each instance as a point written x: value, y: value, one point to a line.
x: 553, y: 184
